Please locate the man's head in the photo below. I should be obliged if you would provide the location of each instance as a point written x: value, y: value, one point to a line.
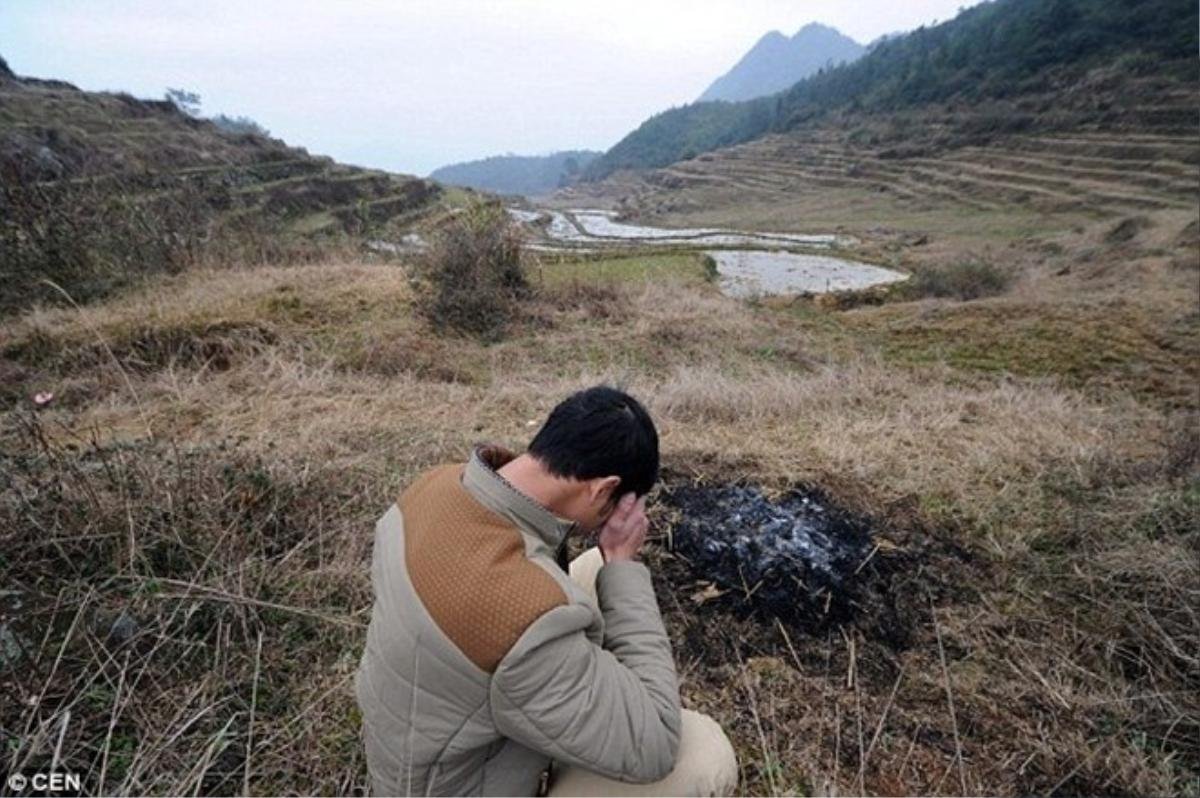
x: 603, y: 440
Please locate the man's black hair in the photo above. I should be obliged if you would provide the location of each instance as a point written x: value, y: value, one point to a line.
x: 600, y: 432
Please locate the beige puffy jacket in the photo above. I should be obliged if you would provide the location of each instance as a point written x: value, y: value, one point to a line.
x: 484, y: 661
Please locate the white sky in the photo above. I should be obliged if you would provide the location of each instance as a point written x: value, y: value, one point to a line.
x: 410, y: 85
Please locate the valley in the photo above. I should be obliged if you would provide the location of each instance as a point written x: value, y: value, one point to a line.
x: 926, y: 378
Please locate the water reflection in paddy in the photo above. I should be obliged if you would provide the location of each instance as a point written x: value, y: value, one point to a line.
x: 756, y: 273
x: 749, y: 272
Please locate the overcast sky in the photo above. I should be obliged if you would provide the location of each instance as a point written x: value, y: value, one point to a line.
x: 410, y: 85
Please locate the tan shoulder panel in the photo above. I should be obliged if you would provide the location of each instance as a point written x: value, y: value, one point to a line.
x: 468, y: 566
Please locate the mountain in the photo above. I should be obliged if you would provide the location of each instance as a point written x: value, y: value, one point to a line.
x: 518, y: 174
x: 776, y: 62
x: 991, y: 54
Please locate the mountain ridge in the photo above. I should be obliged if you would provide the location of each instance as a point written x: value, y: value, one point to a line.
x: 517, y: 174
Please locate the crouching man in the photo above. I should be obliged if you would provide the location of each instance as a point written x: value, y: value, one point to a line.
x: 490, y: 668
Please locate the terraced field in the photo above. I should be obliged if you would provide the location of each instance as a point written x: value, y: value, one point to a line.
x: 937, y: 172
x: 1110, y: 174
x: 148, y: 148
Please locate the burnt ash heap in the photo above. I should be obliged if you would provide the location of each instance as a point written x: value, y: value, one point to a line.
x: 797, y: 558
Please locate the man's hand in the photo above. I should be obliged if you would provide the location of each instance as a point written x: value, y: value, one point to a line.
x: 624, y: 532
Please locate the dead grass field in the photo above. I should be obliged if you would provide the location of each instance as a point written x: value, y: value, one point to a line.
x: 186, y: 525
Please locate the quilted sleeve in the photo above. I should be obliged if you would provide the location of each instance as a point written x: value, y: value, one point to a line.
x: 613, y: 710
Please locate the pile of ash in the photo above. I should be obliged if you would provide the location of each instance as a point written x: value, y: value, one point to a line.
x: 796, y: 558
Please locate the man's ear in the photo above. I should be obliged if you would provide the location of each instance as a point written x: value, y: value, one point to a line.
x: 603, y: 488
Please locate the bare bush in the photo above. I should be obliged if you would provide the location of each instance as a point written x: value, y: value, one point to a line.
x: 965, y: 280
x: 473, y: 273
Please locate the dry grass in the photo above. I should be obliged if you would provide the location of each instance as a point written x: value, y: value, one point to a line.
x: 144, y: 679
x: 220, y: 442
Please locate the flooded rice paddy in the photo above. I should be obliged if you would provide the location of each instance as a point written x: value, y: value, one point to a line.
x: 766, y: 269
x: 601, y: 227
x: 746, y: 273
x: 770, y: 268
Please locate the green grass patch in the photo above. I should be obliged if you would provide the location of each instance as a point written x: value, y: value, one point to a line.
x: 1110, y: 346
x: 688, y: 267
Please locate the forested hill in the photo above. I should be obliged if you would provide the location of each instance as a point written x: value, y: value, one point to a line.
x: 518, y: 174
x: 992, y: 51
x: 776, y: 62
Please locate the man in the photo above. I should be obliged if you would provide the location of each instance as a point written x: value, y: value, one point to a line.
x: 486, y: 662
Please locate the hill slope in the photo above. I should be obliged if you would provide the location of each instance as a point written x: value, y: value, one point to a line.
x: 798, y: 177
x: 100, y: 186
x: 776, y: 62
x: 989, y: 53
x: 518, y: 174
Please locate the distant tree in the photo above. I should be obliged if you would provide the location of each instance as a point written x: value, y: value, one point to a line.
x: 186, y: 101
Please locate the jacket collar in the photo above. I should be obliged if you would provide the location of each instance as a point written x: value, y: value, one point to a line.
x: 498, y: 495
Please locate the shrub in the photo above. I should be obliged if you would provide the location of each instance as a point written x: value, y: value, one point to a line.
x: 472, y: 273
x: 91, y: 236
x: 970, y: 279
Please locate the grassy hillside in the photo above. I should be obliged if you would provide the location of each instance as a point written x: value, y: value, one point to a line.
x: 978, y: 64
x: 99, y: 188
